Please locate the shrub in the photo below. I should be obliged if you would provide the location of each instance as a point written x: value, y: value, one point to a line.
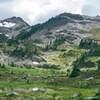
x: 98, y: 64
x: 73, y: 72
x: 88, y: 43
x: 2, y: 65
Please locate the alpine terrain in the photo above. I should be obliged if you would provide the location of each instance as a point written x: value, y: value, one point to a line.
x: 55, y: 60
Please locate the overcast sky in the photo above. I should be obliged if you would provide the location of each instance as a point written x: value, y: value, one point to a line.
x: 36, y: 11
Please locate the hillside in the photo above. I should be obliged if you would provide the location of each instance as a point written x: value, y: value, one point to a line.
x: 73, y: 26
x: 55, y: 60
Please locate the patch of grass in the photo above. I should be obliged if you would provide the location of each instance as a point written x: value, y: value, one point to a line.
x: 55, y: 85
x: 95, y: 32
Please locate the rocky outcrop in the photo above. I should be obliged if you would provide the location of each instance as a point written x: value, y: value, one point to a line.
x: 75, y: 27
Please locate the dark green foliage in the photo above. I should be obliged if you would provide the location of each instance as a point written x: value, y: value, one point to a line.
x: 94, y: 51
x: 3, y: 38
x: 47, y: 47
x: 98, y: 64
x: 48, y: 66
x: 26, y: 34
x: 26, y: 49
x: 12, y: 64
x: 97, y: 94
x: 54, y: 44
x: 73, y: 72
x: 58, y: 41
x: 19, y: 52
x: 87, y: 43
x: 31, y: 48
x: 56, y: 21
x: 92, y: 45
x: 89, y: 64
x: 72, y: 16
x: 12, y: 42
x: 2, y: 65
x: 79, y: 62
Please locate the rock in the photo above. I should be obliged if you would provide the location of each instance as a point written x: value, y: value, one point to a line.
x: 36, y: 63
x: 38, y: 90
x: 76, y: 95
x: 92, y: 98
x: 38, y: 59
x: 13, y: 94
x: 90, y: 78
x: 11, y: 27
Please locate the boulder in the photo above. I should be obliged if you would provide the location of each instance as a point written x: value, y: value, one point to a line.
x: 38, y: 90
x: 38, y: 59
x: 13, y: 94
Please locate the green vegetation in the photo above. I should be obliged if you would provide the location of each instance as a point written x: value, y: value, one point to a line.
x: 76, y: 78
x: 88, y: 43
x: 55, y: 68
x: 54, y: 44
x: 67, y: 83
x: 98, y: 64
x: 54, y: 81
x: 95, y: 33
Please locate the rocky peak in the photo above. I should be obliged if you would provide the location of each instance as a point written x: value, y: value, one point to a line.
x: 13, y: 26
x: 15, y: 20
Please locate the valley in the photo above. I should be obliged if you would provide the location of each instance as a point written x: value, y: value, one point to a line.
x: 56, y: 60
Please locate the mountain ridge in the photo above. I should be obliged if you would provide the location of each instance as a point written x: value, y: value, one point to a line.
x: 13, y: 26
x: 75, y: 25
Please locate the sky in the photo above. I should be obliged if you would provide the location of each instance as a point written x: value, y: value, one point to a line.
x: 38, y: 11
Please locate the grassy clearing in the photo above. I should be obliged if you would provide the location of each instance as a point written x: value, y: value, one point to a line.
x: 63, y: 58
x: 95, y: 32
x: 56, y: 84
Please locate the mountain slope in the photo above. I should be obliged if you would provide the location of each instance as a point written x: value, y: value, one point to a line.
x: 73, y: 26
x: 57, y: 33
x: 11, y: 27
x: 43, y: 62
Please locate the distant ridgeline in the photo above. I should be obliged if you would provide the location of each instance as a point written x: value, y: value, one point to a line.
x: 59, y: 20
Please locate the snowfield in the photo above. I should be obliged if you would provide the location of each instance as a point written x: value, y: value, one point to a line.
x: 7, y: 24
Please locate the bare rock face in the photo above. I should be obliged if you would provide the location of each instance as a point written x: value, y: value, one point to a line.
x: 11, y: 27
x: 73, y: 26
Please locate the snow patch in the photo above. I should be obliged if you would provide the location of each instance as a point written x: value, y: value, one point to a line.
x: 7, y: 24
x: 6, y: 35
x: 35, y: 63
x: 35, y: 89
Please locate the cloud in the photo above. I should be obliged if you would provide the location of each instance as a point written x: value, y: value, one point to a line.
x: 37, y: 11
x: 91, y: 7
x: 2, y: 1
